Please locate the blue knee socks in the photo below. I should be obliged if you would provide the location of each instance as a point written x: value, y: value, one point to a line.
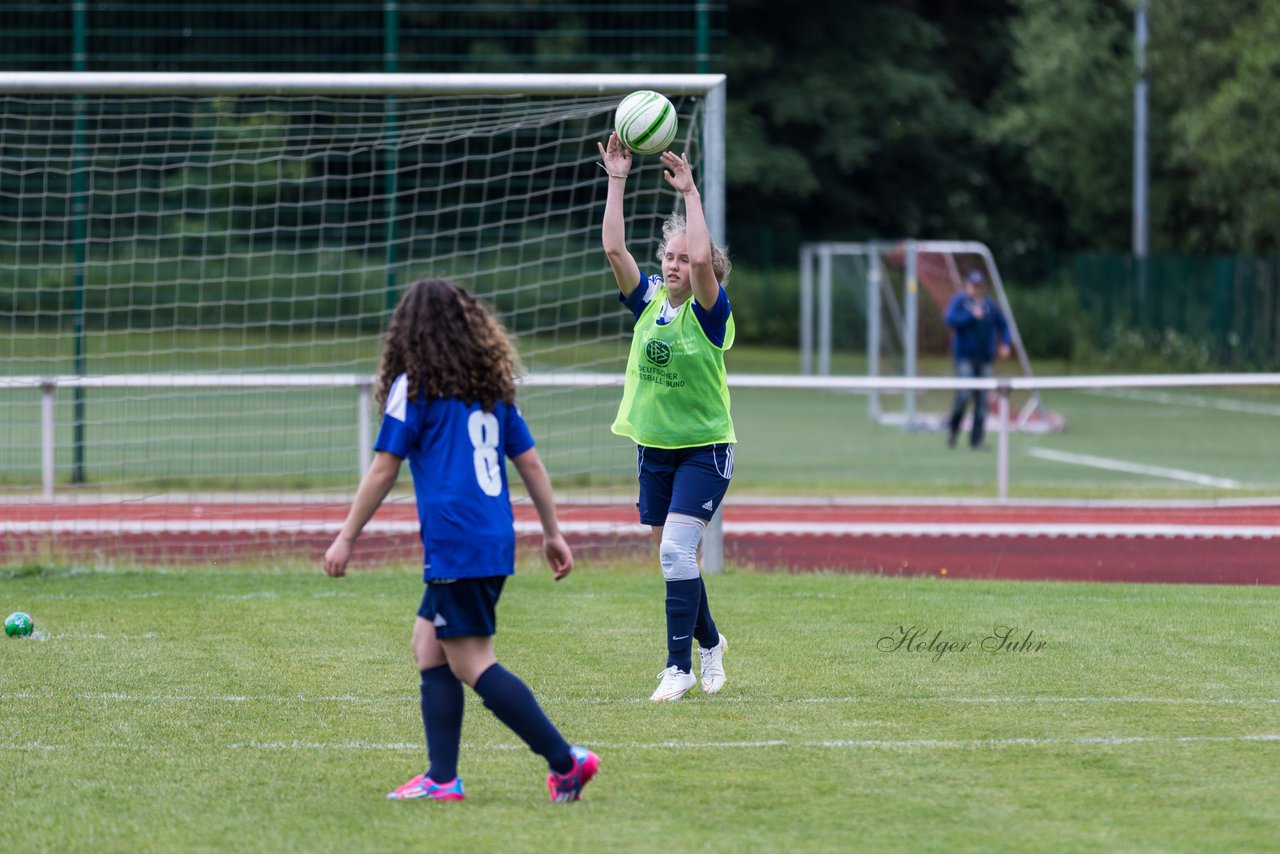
x: 682, y: 616
x: 442, y: 704
x: 704, y: 628
x: 513, y: 703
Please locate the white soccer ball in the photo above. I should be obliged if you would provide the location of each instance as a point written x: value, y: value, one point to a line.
x: 645, y: 122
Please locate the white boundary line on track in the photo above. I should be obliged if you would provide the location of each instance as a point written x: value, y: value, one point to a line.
x: 864, y: 743
x: 571, y: 501
x: 116, y: 527
x: 1135, y: 468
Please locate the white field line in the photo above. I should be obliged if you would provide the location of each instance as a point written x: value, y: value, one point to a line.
x: 731, y: 529
x: 342, y: 699
x: 1257, y: 597
x: 829, y: 743
x: 1195, y: 401
x: 1135, y: 468
x: 836, y: 743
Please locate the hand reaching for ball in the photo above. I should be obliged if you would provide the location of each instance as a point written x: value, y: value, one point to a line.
x: 615, y: 157
x: 679, y: 173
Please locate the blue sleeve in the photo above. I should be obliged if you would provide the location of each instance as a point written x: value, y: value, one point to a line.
x: 516, y: 436
x: 715, y: 323
x: 639, y: 298
x: 401, y: 423
x: 958, y: 313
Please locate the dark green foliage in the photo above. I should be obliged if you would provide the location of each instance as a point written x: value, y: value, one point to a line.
x: 1050, y: 321
x: 1066, y: 109
x: 847, y: 122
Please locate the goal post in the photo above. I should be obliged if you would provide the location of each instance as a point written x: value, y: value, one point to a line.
x: 229, y: 224
x: 885, y: 300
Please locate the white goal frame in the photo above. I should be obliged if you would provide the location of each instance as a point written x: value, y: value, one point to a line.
x: 816, y: 264
x: 710, y: 87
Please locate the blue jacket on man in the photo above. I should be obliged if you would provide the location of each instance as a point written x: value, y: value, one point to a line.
x: 974, y: 338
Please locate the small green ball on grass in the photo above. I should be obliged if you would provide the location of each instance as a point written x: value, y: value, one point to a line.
x: 18, y: 625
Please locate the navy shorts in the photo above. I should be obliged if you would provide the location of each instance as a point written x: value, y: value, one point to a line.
x: 463, y: 607
x: 690, y: 481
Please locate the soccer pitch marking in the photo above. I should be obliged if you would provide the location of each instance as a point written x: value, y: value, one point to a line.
x: 1135, y: 468
x: 1195, y: 401
x: 144, y: 699
x: 914, y: 595
x: 829, y: 744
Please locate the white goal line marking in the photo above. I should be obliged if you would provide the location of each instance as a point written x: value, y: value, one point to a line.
x: 1135, y: 468
x: 832, y: 743
x: 884, y: 744
x: 1195, y: 401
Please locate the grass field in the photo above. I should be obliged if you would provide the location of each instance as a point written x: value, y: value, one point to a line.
x: 268, y: 709
x: 791, y: 441
x: 1203, y: 443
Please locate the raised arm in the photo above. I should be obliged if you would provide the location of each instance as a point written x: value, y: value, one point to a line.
x: 536, y: 481
x: 373, y: 489
x: 679, y: 175
x: 617, y: 162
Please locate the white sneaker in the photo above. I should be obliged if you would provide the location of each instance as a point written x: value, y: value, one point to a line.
x: 673, y: 685
x: 713, y: 666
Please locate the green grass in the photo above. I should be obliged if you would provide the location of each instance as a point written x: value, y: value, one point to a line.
x: 791, y: 441
x: 798, y: 442
x: 271, y: 709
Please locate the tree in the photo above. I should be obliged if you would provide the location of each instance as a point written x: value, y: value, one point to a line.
x: 1067, y: 107
x: 1217, y: 67
x: 866, y: 120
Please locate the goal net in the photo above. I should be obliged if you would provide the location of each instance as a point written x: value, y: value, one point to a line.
x: 196, y: 270
x: 879, y: 308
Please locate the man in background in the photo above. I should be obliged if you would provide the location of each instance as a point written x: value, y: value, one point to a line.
x: 976, y: 321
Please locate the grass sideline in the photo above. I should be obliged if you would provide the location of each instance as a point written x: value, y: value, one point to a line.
x: 272, y: 708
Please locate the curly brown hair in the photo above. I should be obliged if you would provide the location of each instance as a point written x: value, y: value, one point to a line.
x: 449, y: 344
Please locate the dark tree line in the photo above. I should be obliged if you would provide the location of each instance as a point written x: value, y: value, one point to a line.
x: 1008, y: 121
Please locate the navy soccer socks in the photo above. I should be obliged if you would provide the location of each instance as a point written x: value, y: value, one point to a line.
x: 513, y: 703
x: 704, y: 628
x: 442, y: 704
x: 683, y: 598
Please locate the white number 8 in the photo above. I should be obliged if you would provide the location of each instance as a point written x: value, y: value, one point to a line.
x: 482, y: 427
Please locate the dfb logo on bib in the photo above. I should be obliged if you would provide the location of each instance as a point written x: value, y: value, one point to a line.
x: 658, y: 352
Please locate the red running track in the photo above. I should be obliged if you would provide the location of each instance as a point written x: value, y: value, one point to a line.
x: 1237, y: 544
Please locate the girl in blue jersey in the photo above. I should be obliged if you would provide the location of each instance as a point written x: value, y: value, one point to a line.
x: 446, y: 385
x: 675, y: 406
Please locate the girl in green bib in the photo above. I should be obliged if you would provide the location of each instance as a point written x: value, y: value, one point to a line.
x: 675, y: 405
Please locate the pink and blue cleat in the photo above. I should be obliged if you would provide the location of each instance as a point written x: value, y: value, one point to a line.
x: 423, y: 786
x: 568, y: 786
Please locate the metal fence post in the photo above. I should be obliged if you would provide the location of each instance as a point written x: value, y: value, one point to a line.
x: 364, y: 453
x: 1002, y: 443
x: 48, y: 438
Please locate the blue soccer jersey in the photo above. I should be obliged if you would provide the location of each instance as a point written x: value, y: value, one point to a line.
x: 455, y: 451
x: 714, y: 322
